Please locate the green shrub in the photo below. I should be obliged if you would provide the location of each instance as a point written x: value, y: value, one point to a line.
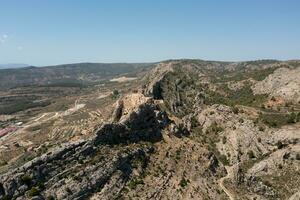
x: 223, y: 159
x: 235, y: 110
x: 134, y: 182
x: 41, y: 185
x: 287, y: 104
x: 26, y: 179
x: 251, y: 154
x: 194, y: 122
x: 50, y: 198
x: 280, y: 145
x: 177, y: 155
x: 5, y: 197
x: 69, y: 190
x: 259, y: 140
x: 183, y: 182
x: 33, y: 192
x: 273, y: 98
x: 267, y: 183
x: 80, y: 161
x: 115, y: 94
x: 2, y: 163
x: 293, y: 118
x: 224, y: 140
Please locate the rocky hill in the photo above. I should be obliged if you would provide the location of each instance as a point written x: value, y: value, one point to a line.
x: 192, y: 129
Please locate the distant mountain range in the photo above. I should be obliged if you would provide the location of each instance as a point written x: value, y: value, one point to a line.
x: 68, y: 74
x: 12, y: 65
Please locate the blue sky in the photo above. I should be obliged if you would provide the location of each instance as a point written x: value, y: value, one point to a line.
x: 46, y: 32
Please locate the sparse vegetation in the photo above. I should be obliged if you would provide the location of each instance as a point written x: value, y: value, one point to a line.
x: 243, y: 96
x: 20, y: 105
x: 214, y: 128
x: 280, y: 119
x: 133, y: 183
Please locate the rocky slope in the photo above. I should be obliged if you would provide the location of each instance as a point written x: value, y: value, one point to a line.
x: 195, y: 130
x: 77, y: 170
x: 259, y: 144
x: 283, y: 83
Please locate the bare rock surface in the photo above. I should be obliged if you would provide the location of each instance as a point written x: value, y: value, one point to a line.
x: 284, y: 83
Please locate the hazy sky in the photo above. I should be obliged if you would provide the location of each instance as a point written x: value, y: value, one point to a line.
x: 46, y: 32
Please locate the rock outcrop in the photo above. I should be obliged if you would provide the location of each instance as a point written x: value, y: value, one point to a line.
x: 155, y: 77
x: 283, y: 83
x: 82, y: 169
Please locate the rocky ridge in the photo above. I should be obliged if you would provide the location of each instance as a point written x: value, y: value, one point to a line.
x: 188, y: 136
x: 257, y: 152
x: 77, y: 170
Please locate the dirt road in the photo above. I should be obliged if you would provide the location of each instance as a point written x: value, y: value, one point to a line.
x: 221, y: 183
